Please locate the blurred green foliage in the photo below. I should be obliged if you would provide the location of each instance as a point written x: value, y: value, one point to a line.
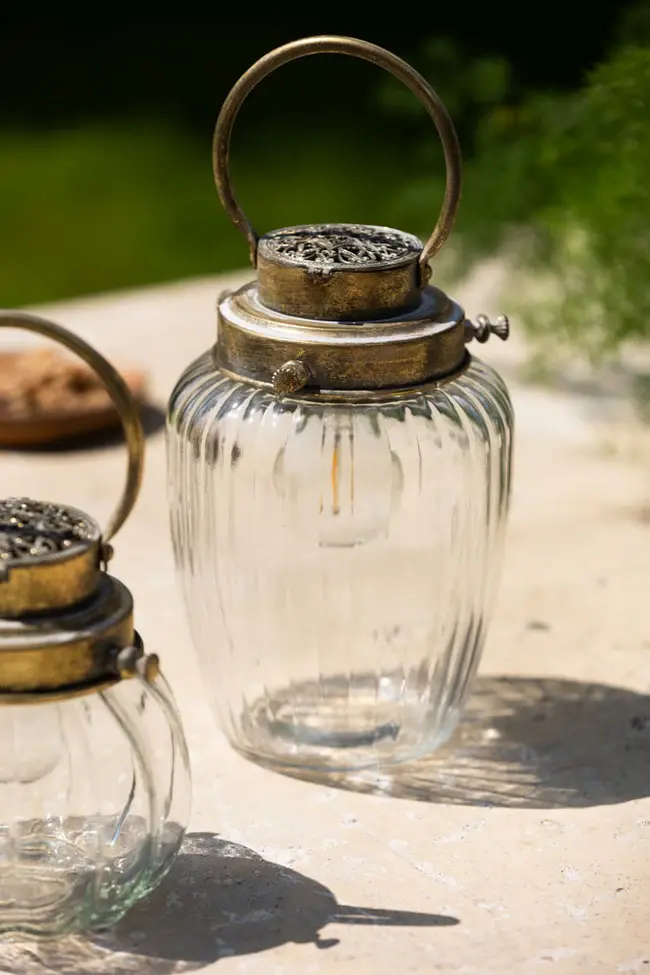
x: 108, y: 184
x: 560, y: 181
x: 115, y: 206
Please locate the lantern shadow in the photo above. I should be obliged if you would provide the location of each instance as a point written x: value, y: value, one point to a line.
x: 530, y: 743
x: 219, y: 900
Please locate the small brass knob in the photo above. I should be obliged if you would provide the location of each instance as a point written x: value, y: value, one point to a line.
x: 132, y: 661
x: 483, y: 328
x: 290, y: 377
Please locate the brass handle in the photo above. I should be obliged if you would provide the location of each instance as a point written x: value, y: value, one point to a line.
x: 119, y: 393
x: 367, y: 52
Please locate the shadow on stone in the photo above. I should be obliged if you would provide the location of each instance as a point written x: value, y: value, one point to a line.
x: 532, y: 743
x: 219, y: 900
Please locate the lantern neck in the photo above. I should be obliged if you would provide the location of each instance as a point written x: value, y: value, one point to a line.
x: 289, y: 353
x: 339, y: 272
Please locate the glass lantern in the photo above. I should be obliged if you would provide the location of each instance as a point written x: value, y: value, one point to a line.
x: 94, y: 772
x: 339, y: 474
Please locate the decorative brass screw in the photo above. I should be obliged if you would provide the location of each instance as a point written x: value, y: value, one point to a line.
x: 290, y: 377
x: 483, y: 328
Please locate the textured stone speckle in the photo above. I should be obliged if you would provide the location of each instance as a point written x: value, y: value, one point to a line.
x: 504, y: 852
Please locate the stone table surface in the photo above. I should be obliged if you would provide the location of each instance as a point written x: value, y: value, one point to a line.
x: 522, y: 846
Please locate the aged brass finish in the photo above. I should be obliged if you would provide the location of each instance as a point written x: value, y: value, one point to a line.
x: 483, y: 328
x: 66, y: 650
x: 257, y: 344
x: 290, y: 377
x: 66, y: 627
x: 342, y: 308
x: 327, y: 44
x: 109, y: 673
x: 119, y: 393
x: 339, y: 272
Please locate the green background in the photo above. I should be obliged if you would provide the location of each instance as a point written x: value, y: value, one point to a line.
x: 106, y: 123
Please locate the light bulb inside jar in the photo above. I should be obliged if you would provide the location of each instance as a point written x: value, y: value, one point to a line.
x: 340, y: 481
x: 31, y: 743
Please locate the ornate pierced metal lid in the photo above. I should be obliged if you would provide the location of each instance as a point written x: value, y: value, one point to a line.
x: 341, y: 307
x: 328, y: 247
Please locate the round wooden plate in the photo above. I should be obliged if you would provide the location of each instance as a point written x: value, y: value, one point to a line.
x: 77, y: 420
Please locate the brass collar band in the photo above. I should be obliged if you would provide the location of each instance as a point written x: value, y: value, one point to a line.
x: 83, y: 649
x: 289, y: 353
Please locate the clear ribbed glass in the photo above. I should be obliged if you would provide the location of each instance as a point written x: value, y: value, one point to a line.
x: 338, y: 561
x: 94, y: 797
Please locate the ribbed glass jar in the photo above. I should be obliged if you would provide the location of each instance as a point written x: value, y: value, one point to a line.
x: 94, y: 799
x: 338, y: 560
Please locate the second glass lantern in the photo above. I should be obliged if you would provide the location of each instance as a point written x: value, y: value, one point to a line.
x: 94, y: 770
x: 339, y: 471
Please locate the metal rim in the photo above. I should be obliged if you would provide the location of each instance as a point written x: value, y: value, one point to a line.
x: 117, y: 390
x: 330, y: 44
x: 145, y: 666
x: 257, y: 343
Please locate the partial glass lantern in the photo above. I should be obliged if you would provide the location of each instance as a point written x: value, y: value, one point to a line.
x: 94, y: 770
x: 339, y: 477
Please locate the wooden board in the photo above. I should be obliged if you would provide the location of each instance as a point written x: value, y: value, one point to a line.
x: 83, y: 416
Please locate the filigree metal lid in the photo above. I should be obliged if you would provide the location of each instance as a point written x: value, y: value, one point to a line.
x: 68, y: 651
x: 327, y: 247
x: 49, y: 556
x: 339, y: 272
x: 33, y: 530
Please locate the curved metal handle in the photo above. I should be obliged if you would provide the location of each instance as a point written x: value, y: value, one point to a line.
x: 119, y: 393
x: 367, y: 52
x: 174, y: 803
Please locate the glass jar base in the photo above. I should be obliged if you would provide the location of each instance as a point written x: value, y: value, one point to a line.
x: 36, y: 904
x: 343, y: 725
x: 54, y: 881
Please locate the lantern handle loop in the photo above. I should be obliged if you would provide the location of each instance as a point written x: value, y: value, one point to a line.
x: 117, y: 390
x: 330, y: 44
